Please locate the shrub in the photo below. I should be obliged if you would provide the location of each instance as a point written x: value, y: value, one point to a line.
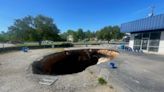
x: 102, y: 81
x: 67, y: 44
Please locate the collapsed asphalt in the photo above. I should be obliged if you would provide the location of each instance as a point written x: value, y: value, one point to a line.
x: 136, y: 72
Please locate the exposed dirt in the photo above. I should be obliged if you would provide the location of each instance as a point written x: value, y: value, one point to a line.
x: 15, y: 75
x: 72, y: 61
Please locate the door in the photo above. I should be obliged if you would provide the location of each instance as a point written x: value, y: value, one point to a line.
x: 144, y: 44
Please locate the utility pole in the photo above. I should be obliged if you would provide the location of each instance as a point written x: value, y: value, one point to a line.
x: 152, y: 11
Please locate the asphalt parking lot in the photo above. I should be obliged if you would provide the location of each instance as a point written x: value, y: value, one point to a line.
x: 139, y: 72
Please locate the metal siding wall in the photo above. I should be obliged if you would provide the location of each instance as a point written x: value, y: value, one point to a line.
x: 150, y: 23
x: 151, y: 26
x: 162, y: 22
x: 144, y: 25
x: 156, y: 23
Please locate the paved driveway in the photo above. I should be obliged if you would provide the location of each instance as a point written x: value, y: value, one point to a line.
x: 135, y: 73
x: 139, y: 73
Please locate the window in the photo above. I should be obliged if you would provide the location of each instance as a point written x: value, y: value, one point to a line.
x: 145, y: 35
x: 147, y: 41
x: 154, y: 41
x: 138, y: 36
x: 154, y: 49
x: 155, y: 35
x: 137, y: 42
x: 137, y: 39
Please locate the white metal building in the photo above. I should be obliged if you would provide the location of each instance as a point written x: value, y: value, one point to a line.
x: 147, y: 34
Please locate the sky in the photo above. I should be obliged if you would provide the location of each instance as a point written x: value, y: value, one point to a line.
x: 74, y: 14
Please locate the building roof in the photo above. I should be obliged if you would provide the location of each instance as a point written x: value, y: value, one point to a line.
x: 145, y: 24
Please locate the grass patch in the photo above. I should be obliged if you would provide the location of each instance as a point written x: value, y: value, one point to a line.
x: 102, y: 81
x: 43, y: 44
x: 87, y: 42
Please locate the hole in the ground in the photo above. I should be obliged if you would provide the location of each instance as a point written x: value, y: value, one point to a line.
x: 72, y: 61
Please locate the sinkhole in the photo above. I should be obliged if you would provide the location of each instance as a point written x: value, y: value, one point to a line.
x: 71, y: 61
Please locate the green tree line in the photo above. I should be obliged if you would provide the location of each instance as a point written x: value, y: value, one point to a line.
x: 109, y: 33
x: 78, y: 35
x: 41, y: 28
x: 32, y: 29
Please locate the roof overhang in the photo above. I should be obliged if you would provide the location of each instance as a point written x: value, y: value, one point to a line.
x: 146, y: 24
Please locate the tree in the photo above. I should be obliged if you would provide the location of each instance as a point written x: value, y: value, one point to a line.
x: 117, y: 34
x: 80, y: 34
x: 105, y: 33
x: 74, y: 34
x: 89, y: 34
x: 64, y: 36
x: 34, y: 29
x: 45, y: 29
x: 3, y: 36
x: 109, y: 32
